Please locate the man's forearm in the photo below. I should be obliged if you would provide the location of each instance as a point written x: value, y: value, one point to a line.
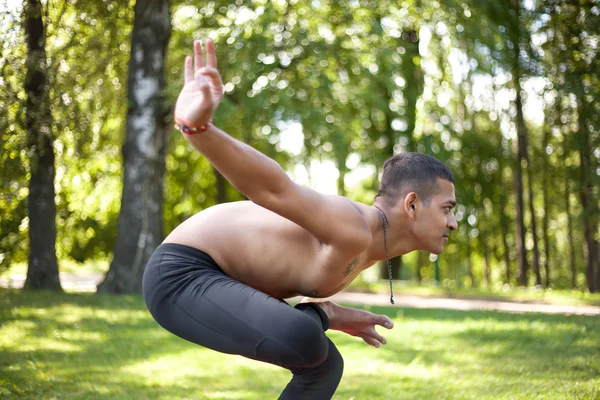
x: 248, y: 170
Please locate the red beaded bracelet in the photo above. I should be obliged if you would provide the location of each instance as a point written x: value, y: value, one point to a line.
x: 189, y: 129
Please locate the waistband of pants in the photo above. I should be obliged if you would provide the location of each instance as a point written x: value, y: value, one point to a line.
x: 189, y: 253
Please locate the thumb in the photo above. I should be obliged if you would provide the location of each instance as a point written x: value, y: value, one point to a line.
x: 385, y: 321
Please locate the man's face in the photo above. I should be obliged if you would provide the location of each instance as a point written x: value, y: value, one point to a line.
x: 434, y: 222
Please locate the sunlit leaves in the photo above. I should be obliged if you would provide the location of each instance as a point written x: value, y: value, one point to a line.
x: 350, y: 80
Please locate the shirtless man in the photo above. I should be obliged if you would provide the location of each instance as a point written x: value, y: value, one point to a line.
x: 221, y: 277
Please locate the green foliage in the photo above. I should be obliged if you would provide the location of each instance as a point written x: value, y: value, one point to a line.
x: 13, y: 148
x: 351, y: 75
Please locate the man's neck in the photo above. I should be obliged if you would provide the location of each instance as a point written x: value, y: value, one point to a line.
x: 398, y: 236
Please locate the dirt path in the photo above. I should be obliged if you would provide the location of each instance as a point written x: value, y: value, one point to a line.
x: 87, y: 283
x: 409, y: 301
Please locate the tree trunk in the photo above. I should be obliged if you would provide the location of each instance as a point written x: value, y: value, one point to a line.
x: 504, y: 218
x: 486, y: 265
x: 140, y: 227
x: 421, y: 263
x: 221, y: 187
x: 341, y: 185
x: 570, y: 233
x: 341, y: 153
x: 515, y: 37
x: 521, y: 232
x: 587, y: 203
x: 396, y: 264
x: 521, y: 159
x: 42, y: 271
x: 414, y: 82
x: 536, y: 251
x: 545, y: 186
x: 504, y: 222
x: 412, y: 91
x: 343, y: 170
x: 469, y: 267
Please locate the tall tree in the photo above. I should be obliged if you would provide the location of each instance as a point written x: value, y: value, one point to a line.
x: 42, y: 272
x: 583, y: 80
x: 587, y: 200
x: 140, y: 227
x: 573, y: 65
x: 516, y: 34
x: 384, y: 89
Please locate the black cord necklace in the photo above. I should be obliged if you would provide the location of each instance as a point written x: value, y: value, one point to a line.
x: 387, y: 258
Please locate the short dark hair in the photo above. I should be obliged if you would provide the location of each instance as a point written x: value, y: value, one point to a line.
x: 412, y: 172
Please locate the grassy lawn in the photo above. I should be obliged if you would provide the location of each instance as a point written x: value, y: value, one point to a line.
x: 75, y: 346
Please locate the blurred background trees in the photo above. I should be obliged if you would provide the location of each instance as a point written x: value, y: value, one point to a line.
x: 502, y: 91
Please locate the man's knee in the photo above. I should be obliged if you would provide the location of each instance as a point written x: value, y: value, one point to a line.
x: 301, y: 343
x: 310, y: 343
x: 327, y: 374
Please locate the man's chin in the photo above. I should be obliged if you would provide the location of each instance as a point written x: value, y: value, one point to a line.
x: 437, y: 251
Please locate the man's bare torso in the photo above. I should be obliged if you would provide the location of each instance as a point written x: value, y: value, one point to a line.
x: 270, y: 253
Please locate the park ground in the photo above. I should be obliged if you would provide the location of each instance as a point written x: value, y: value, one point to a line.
x: 78, y: 345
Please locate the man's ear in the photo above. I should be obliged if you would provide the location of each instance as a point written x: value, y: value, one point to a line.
x: 411, y: 204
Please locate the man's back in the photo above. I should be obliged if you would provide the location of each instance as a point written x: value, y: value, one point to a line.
x: 271, y: 253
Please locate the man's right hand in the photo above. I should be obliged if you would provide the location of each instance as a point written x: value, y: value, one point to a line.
x: 358, y: 323
x: 203, y: 89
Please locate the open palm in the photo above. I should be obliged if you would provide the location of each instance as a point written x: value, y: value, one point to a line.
x: 203, y: 89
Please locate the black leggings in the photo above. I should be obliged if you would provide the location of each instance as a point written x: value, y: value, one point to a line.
x: 190, y: 296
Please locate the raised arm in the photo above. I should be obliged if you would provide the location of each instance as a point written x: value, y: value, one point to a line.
x: 331, y: 219
x: 248, y: 170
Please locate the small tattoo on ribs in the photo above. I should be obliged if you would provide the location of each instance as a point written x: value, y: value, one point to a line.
x: 351, y: 265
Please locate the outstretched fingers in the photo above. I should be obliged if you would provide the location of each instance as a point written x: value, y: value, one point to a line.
x: 369, y: 340
x: 374, y: 334
x: 371, y: 336
x: 211, y: 54
x: 198, y: 56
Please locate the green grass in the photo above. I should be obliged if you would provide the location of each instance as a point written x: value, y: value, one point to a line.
x: 75, y: 346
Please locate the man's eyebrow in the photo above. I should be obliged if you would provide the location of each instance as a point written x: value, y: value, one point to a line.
x: 451, y: 202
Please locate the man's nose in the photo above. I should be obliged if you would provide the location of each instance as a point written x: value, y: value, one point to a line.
x: 452, y: 224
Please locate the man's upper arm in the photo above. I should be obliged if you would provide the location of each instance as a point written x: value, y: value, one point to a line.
x: 331, y: 219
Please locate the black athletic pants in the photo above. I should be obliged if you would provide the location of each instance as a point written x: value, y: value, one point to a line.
x: 190, y: 296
